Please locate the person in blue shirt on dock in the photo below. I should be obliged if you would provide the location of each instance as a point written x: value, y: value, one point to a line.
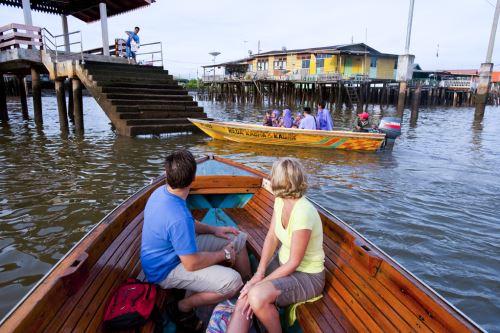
x: 308, y: 122
x: 324, y: 119
x: 132, y: 44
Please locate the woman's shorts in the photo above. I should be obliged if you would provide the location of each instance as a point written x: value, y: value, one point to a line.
x: 296, y: 287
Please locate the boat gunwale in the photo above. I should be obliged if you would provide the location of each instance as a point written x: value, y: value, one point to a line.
x: 334, y: 133
x: 399, y: 267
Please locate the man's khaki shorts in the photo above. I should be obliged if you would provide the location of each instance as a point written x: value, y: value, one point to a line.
x: 216, y: 278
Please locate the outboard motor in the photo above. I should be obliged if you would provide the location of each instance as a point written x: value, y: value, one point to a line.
x: 391, y: 126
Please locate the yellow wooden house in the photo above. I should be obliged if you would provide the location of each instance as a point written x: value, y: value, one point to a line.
x: 348, y: 61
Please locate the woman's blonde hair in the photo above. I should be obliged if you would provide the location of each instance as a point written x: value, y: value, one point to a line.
x: 288, y: 178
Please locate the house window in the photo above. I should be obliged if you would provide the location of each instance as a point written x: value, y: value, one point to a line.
x: 250, y: 67
x: 262, y: 65
x: 396, y: 64
x: 306, y: 63
x: 280, y: 63
x: 373, y: 62
x: 320, y: 59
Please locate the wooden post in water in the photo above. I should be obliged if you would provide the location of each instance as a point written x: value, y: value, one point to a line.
x: 71, y: 113
x: 415, y: 104
x: 401, y: 98
x: 36, y: 92
x: 61, y: 105
x: 78, y: 104
x: 22, y: 96
x: 4, y: 116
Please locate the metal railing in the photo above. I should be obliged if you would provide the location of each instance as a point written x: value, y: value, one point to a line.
x: 264, y: 75
x: 149, y: 54
x: 15, y: 35
x: 52, y: 44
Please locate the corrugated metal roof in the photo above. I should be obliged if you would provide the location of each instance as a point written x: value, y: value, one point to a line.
x: 85, y: 10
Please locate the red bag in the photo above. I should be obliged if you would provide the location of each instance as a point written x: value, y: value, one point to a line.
x: 130, y: 305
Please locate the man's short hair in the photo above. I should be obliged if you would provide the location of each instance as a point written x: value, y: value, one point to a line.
x: 137, y: 28
x: 322, y: 104
x: 180, y: 167
x: 307, y: 109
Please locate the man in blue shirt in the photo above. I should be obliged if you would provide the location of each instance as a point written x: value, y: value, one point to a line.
x: 324, y: 119
x: 180, y: 252
x: 308, y: 122
x: 131, y: 48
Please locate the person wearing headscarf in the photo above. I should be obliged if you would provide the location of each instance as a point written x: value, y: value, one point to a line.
x: 297, y: 119
x: 287, y: 120
x: 276, y: 118
x: 324, y: 119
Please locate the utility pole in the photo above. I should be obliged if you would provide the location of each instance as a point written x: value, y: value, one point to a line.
x: 486, y: 69
x: 405, y: 62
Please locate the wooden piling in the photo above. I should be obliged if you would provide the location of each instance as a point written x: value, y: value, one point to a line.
x: 61, y: 105
x: 415, y: 104
x: 4, y: 116
x: 22, y: 97
x: 36, y: 92
x: 78, y: 104
x: 71, y: 112
x: 401, y: 98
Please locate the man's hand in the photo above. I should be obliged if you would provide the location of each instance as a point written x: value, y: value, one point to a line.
x: 223, y: 232
x: 232, y: 253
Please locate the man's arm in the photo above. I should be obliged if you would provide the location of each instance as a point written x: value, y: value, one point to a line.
x: 203, y: 228
x: 200, y: 260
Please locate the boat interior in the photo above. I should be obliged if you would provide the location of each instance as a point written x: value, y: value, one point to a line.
x: 366, y: 291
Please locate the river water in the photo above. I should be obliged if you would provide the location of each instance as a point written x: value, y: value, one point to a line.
x: 432, y: 202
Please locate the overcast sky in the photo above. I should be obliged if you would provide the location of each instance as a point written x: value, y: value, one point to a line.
x: 189, y: 30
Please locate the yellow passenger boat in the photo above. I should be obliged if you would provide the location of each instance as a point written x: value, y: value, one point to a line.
x: 249, y: 133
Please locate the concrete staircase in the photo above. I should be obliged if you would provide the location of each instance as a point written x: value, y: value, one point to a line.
x: 140, y: 99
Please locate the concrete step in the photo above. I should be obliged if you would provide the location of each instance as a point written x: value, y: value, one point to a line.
x: 128, y: 74
x: 113, y: 84
x: 133, y: 102
x: 141, y: 79
x: 103, y: 65
x: 157, y: 121
x: 159, y: 129
x: 139, y: 90
x: 162, y: 115
x: 158, y: 108
x: 141, y: 97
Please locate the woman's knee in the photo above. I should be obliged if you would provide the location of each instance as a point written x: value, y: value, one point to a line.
x: 261, y: 295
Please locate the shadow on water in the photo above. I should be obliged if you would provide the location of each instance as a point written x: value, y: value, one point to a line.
x: 430, y: 202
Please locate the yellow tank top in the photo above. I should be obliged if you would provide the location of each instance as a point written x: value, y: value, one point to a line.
x: 303, y: 216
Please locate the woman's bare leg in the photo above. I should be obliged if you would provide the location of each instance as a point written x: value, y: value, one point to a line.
x: 261, y: 298
x: 239, y: 322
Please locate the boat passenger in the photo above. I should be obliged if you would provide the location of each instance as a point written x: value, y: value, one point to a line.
x: 286, y: 120
x: 324, y: 119
x: 297, y: 119
x: 362, y: 123
x: 308, y: 122
x: 268, y: 121
x: 294, y: 274
x: 180, y: 252
x: 276, y: 118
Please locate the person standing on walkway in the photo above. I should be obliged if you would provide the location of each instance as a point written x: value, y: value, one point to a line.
x: 324, y: 119
x: 132, y: 44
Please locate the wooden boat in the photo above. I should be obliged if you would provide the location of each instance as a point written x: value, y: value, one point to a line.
x: 366, y: 290
x: 249, y: 133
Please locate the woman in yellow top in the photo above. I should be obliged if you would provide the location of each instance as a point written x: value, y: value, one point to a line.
x: 297, y: 273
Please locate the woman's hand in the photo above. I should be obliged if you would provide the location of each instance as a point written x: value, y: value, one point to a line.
x: 223, y: 232
x: 253, y: 281
x: 246, y: 309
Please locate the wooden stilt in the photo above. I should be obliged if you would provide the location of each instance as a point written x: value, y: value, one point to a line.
x: 22, y: 97
x: 36, y: 91
x: 61, y: 105
x: 4, y: 116
x: 71, y: 113
x: 401, y: 98
x: 78, y: 105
